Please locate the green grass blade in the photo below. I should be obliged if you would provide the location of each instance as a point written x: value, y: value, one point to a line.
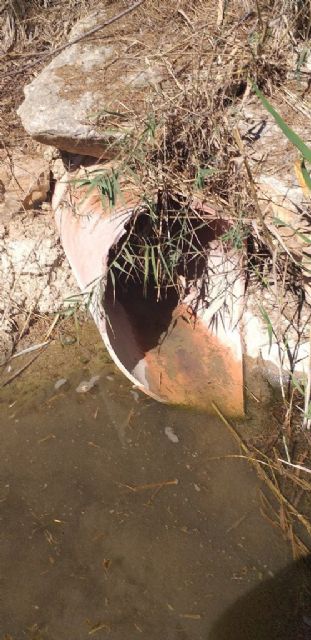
x: 109, y: 191
x: 146, y: 270
x: 113, y: 281
x: 290, y: 134
x: 154, y: 266
x: 109, y: 113
x: 165, y: 266
x: 306, y: 175
x: 117, y: 265
x: 129, y: 257
x: 296, y: 384
x: 267, y: 322
x: 280, y: 223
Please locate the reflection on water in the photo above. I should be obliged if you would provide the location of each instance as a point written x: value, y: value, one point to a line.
x: 111, y: 528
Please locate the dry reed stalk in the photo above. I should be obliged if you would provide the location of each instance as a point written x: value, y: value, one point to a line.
x: 285, y: 505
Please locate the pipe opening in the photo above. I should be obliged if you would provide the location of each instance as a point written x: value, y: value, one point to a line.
x: 159, y: 277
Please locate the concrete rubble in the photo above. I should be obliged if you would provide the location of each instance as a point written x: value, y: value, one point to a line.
x: 34, y: 273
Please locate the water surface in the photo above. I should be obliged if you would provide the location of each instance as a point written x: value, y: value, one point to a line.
x: 122, y: 518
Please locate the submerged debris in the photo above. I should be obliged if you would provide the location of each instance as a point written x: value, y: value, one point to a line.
x: 135, y: 395
x: 171, y: 435
x: 60, y: 383
x: 68, y: 340
x: 86, y: 386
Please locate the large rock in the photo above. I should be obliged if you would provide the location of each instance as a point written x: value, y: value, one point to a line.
x: 87, y: 80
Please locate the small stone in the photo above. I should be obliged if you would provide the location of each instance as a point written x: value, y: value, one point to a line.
x: 50, y: 153
x: 25, y: 182
x: 67, y: 340
x: 135, y: 395
x: 58, y: 168
x: 87, y: 385
x: 62, y: 382
x: 84, y: 358
x: 171, y: 435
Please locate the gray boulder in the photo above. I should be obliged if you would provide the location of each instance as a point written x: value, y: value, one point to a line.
x: 85, y: 83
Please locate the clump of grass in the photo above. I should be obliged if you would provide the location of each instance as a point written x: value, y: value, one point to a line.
x: 185, y: 149
x: 163, y: 247
x: 106, y: 183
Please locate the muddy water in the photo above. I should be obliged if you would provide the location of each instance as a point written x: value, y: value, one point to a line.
x: 121, y: 518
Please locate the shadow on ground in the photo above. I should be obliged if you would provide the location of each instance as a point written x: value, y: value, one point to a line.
x: 277, y: 609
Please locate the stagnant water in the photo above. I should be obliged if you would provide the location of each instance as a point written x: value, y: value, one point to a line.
x: 122, y: 518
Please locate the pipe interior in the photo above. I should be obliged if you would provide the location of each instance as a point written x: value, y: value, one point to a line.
x: 137, y: 321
